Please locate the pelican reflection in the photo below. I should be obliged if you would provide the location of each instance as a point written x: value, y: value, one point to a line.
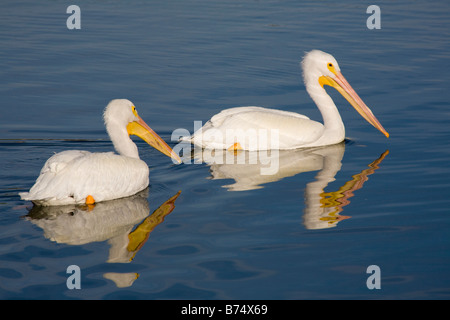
x: 322, y: 209
x: 125, y: 223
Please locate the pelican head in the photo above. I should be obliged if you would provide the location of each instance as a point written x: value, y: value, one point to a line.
x: 122, y: 120
x: 321, y: 68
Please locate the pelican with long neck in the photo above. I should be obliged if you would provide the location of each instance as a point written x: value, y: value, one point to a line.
x: 332, y: 121
x: 247, y: 128
x: 315, y: 76
x: 83, y: 177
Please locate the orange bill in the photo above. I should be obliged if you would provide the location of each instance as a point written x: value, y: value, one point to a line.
x: 344, y: 88
x: 143, y: 131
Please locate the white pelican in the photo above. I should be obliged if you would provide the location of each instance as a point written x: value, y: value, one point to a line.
x: 82, y: 177
x: 250, y: 128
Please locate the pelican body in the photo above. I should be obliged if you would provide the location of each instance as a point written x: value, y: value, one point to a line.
x: 83, y: 177
x: 254, y: 128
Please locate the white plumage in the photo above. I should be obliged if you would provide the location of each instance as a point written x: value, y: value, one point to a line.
x: 71, y: 177
x: 257, y: 128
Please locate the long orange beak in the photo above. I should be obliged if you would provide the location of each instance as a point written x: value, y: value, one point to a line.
x: 143, y: 131
x: 344, y: 88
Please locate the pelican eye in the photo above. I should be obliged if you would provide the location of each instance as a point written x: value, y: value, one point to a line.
x: 331, y: 67
x: 133, y: 108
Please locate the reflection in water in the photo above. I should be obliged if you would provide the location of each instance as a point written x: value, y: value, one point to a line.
x: 322, y: 209
x: 110, y: 220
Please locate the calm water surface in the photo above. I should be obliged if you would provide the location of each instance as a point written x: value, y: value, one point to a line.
x: 204, y: 231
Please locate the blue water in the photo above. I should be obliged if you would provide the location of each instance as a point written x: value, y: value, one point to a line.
x: 226, y: 237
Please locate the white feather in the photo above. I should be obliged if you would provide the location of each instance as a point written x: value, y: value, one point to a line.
x: 70, y: 176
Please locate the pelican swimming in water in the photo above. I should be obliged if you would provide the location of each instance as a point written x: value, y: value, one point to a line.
x: 249, y: 128
x: 83, y: 177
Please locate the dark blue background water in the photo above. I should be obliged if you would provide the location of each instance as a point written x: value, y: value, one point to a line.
x: 181, y: 61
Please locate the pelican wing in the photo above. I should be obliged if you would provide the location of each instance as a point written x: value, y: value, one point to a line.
x: 218, y: 119
x: 58, y: 162
x: 49, y: 173
x: 70, y: 176
x: 242, y: 124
